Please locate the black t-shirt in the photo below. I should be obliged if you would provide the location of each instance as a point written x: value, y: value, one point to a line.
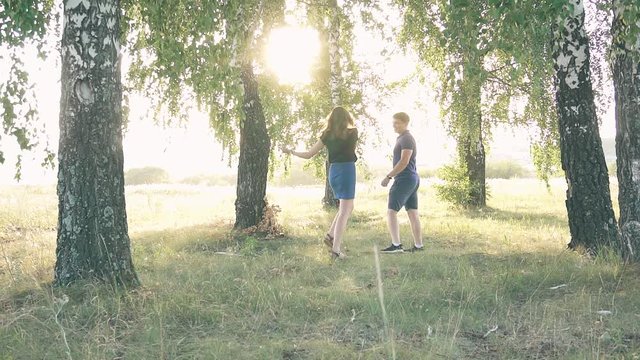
x: 341, y: 150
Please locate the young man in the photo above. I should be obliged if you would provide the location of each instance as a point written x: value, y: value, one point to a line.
x: 404, y: 191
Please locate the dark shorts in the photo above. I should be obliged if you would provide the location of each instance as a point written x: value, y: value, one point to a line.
x: 342, y: 178
x: 404, y: 192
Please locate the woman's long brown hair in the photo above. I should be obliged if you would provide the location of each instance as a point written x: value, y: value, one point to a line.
x: 338, y: 121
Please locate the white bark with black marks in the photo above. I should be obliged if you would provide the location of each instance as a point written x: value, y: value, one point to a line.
x: 93, y: 241
x: 591, y: 220
x: 335, y: 84
x: 335, y: 81
x: 626, y: 78
x: 253, y: 165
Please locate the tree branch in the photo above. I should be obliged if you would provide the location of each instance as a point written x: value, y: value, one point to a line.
x: 496, y: 79
x: 493, y: 71
x: 318, y: 4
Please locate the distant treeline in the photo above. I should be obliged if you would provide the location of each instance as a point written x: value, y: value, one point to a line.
x: 500, y: 169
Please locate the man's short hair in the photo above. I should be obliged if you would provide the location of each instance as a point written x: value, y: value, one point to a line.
x: 402, y: 116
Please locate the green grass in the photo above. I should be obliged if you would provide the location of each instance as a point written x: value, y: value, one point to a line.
x: 482, y: 290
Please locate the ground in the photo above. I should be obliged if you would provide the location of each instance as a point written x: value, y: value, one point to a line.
x: 492, y: 284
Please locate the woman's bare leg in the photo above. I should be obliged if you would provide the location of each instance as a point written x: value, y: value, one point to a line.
x: 346, y: 207
x: 332, y: 229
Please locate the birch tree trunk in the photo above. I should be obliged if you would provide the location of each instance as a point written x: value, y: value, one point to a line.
x: 253, y: 166
x: 626, y: 79
x: 591, y: 220
x: 335, y: 83
x: 472, y: 143
x: 93, y: 241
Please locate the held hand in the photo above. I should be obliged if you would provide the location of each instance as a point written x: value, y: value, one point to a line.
x: 287, y: 151
x: 385, y: 182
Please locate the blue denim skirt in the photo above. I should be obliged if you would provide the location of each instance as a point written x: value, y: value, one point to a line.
x: 342, y: 178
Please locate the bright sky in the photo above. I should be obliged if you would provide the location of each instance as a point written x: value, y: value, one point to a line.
x: 193, y: 150
x: 293, y: 67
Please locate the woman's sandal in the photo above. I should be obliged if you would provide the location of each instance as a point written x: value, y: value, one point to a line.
x: 338, y: 255
x: 328, y: 240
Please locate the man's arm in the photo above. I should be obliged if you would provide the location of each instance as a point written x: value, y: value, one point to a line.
x: 405, y: 157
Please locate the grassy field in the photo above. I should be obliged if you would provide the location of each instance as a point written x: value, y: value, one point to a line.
x: 496, y: 284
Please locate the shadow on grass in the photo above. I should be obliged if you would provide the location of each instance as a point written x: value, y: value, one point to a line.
x: 519, y: 272
x: 439, y: 301
x: 525, y: 218
x: 206, y: 238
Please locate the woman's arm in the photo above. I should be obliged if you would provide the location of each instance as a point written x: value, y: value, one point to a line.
x: 307, y: 154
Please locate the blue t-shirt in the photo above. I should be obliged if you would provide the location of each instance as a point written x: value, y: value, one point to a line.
x: 405, y: 142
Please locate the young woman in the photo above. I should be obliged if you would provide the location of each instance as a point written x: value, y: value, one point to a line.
x: 340, y: 137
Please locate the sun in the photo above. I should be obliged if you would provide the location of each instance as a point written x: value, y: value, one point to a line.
x: 291, y: 51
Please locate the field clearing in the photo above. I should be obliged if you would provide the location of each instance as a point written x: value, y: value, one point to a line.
x: 492, y: 284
